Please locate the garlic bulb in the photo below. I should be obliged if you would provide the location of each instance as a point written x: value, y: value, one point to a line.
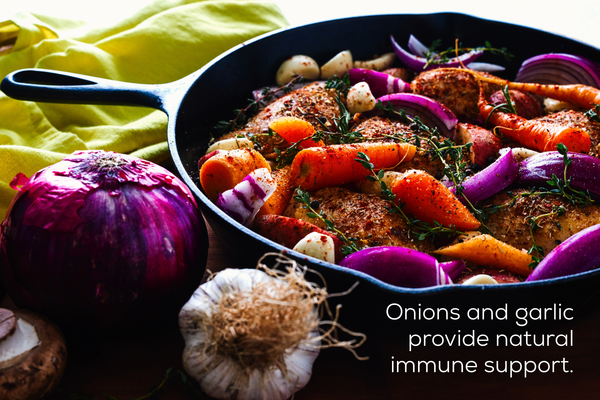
x: 239, y: 342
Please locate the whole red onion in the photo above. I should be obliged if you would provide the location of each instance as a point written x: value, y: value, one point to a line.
x: 102, y: 239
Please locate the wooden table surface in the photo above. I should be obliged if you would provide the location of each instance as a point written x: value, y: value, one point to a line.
x: 126, y: 367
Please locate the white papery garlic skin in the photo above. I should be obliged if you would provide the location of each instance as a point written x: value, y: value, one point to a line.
x: 219, y: 375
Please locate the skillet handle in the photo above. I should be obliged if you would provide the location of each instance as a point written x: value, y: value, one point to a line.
x: 62, y: 87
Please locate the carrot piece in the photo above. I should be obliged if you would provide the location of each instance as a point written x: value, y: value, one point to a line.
x: 294, y: 129
x: 288, y: 231
x: 278, y: 201
x: 487, y: 250
x: 336, y: 165
x: 429, y: 200
x: 226, y: 169
x: 581, y: 95
x: 538, y: 135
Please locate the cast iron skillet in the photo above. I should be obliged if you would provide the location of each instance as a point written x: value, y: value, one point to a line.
x: 197, y: 102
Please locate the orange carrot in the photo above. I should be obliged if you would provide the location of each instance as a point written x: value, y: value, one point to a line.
x: 538, y: 135
x: 581, y: 95
x: 429, y: 200
x: 226, y: 169
x: 294, y: 129
x: 487, y: 250
x: 336, y: 165
x: 278, y: 201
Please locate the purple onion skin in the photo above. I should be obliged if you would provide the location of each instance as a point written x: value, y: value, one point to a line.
x: 491, y: 180
x: 379, y: 82
x: 453, y: 268
x: 579, y: 253
x: 398, y: 266
x: 417, y: 63
x: 584, y: 170
x: 134, y: 258
x: 431, y: 113
x: 560, y: 69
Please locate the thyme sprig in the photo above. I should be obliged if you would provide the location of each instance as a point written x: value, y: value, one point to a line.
x: 340, y: 134
x: 304, y: 197
x: 563, y: 186
x: 441, y: 57
x: 594, y: 113
x: 507, y: 107
x: 341, y: 85
x: 243, y: 114
x: 422, y: 230
x: 533, y: 227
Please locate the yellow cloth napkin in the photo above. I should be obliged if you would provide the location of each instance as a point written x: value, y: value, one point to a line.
x: 163, y: 42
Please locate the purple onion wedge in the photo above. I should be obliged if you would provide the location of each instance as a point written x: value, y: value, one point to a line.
x: 560, y: 69
x: 419, y: 64
x: 579, y: 253
x: 243, y: 202
x: 403, y: 267
x: 583, y: 172
x: 379, y: 83
x: 417, y: 48
x: 489, y: 181
x: 420, y: 50
x: 431, y: 113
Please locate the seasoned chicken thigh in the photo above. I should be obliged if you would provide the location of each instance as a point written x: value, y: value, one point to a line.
x: 382, y: 128
x: 360, y: 216
x: 455, y: 88
x: 308, y: 103
x: 511, y: 223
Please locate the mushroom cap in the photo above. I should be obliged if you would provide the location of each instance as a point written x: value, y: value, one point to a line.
x: 35, y: 373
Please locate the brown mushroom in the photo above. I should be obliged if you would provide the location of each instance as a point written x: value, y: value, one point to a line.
x: 32, y: 355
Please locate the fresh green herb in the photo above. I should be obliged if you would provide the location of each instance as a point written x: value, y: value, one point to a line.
x: 304, y: 198
x: 533, y: 227
x: 342, y: 85
x: 340, y: 134
x: 267, y: 94
x: 563, y: 186
x: 435, y: 57
x: 507, y: 107
x: 594, y: 113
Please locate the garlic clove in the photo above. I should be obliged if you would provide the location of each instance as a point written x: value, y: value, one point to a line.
x: 385, y: 61
x: 481, y: 279
x: 230, y: 144
x: 360, y: 98
x: 338, y: 66
x: 317, y: 245
x: 297, y: 65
